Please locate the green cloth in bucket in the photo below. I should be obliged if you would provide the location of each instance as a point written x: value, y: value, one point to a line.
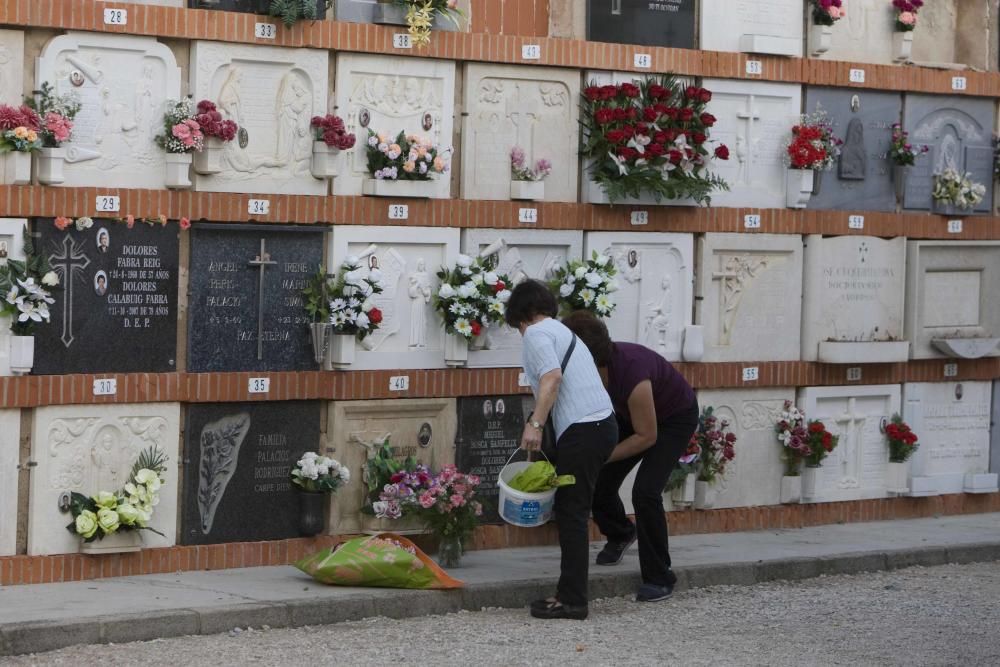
x: 385, y: 561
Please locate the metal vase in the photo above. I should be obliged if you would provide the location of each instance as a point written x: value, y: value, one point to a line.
x: 312, y: 513
x: 320, y: 339
x: 817, y: 181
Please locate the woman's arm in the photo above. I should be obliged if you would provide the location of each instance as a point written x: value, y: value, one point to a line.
x: 642, y: 409
x: 548, y: 390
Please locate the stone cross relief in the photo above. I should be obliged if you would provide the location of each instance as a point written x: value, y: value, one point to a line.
x: 737, y: 274
x: 525, y: 112
x: 261, y: 261
x: 69, y: 263
x: 851, y: 426
x: 746, y: 141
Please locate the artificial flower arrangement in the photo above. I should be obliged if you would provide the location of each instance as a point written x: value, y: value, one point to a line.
x: 331, y: 131
x: 391, y: 483
x: 651, y: 138
x: 828, y: 12
x: 26, y: 287
x: 420, y: 16
x: 319, y: 474
x: 350, y: 295
x: 901, y: 151
x: 791, y: 432
x: 408, y: 157
x: 959, y: 190
x: 813, y: 145
x: 687, y: 464
x: 20, y: 129
x: 84, y: 222
x: 586, y: 285
x: 127, y: 509
x: 471, y: 297
x: 55, y: 113
x: 212, y: 124
x: 819, y: 443
x: 906, y: 14
x: 521, y: 171
x: 181, y: 131
x: 902, y: 440
x: 716, y: 445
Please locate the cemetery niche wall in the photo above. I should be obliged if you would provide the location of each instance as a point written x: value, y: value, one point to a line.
x: 767, y: 26
x: 656, y: 23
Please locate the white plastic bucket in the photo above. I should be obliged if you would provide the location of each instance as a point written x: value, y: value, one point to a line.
x: 527, y: 510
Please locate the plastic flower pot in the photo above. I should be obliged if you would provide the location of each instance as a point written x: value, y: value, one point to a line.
x: 22, y: 354
x: 125, y: 541
x: 902, y: 46
x: 326, y: 160
x: 312, y: 512
x: 810, y: 474
x: 798, y: 187
x: 897, y: 477
x: 820, y: 39
x: 527, y: 190
x: 791, y: 489
x: 15, y: 168
x: 49, y: 166
x: 209, y: 159
x: 683, y: 495
x: 704, y: 495
x: 178, y: 171
x: 341, y: 351
x: 456, y: 350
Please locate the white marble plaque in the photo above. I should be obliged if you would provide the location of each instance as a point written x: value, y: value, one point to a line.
x: 10, y: 437
x: 656, y: 287
x: 951, y: 289
x: 91, y: 448
x: 11, y: 66
x: 422, y: 428
x: 412, y: 334
x: 865, y: 34
x: 754, y: 121
x: 11, y: 247
x: 389, y: 94
x: 856, y: 469
x: 122, y: 82
x: 934, y: 38
x: 528, y: 253
x: 952, y: 422
x: 750, y: 296
x: 272, y: 93
x: 761, y: 26
x: 534, y: 108
x: 852, y: 293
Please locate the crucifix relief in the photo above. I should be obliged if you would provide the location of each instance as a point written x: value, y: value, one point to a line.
x: 525, y: 112
x: 851, y: 426
x: 68, y: 264
x: 735, y: 277
x: 263, y: 260
x: 746, y: 143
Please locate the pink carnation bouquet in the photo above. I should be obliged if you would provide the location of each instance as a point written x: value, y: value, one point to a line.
x: 55, y: 115
x: 448, y: 506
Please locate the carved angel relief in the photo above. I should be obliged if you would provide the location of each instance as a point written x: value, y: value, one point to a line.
x: 738, y: 272
x: 220, y: 449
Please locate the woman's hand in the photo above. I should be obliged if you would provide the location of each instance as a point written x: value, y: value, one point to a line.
x: 531, y: 438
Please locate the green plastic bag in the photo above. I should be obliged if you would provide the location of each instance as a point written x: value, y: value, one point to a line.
x: 384, y: 561
x: 539, y: 477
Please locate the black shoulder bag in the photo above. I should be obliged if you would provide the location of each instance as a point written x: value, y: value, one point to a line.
x: 548, y: 430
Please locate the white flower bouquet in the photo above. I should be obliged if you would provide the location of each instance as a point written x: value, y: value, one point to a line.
x: 352, y: 310
x: 958, y: 190
x: 24, y: 285
x: 471, y: 296
x: 319, y: 474
x: 586, y: 285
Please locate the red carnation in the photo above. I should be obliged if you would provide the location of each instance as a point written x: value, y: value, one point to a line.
x: 630, y: 90
x: 660, y: 137
x: 615, y: 136
x: 619, y: 114
x: 632, y: 113
x: 375, y: 316
x: 676, y: 156
x: 608, y: 92
x: 722, y: 152
x: 657, y: 92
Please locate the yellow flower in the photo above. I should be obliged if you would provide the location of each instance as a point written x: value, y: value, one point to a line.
x: 418, y: 20
x: 32, y: 136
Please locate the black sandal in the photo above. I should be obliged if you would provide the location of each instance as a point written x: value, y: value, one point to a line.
x: 552, y: 608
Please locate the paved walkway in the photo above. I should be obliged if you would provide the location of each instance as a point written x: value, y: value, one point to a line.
x: 49, y: 616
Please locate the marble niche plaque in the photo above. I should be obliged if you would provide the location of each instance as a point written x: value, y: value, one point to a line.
x: 11, y: 66
x: 387, y: 94
x: 272, y: 93
x: 750, y: 296
x: 959, y: 132
x: 934, y: 40
x: 245, y: 309
x: 116, y: 304
x: 754, y: 121
x: 951, y: 289
x: 509, y: 105
x: 862, y: 178
x: 411, y: 334
x: 122, y: 82
x: 655, y: 278
x: 10, y: 443
x: 527, y: 253
x: 856, y: 469
x: 952, y: 420
x: 655, y: 23
x: 246, y: 6
x: 11, y: 247
x: 865, y: 34
x: 91, y: 448
x: 853, y: 299
x: 423, y: 428
x: 238, y: 459
x: 489, y: 431
x: 752, y: 26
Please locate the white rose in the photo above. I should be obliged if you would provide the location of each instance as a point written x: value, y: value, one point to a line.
x: 362, y: 321
x: 565, y: 290
x: 593, y: 279
x: 467, y: 290
x: 375, y: 276
x: 446, y: 291
x: 602, y: 260
x: 504, y: 295
x: 50, y: 279
x: 580, y: 272
x: 352, y: 260
x: 612, y: 286
x: 353, y: 277
x: 477, y: 279
x: 367, y: 306
x: 464, y: 261
x: 491, y: 278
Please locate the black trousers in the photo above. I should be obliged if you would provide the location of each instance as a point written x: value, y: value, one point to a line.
x: 655, y: 466
x: 582, y: 450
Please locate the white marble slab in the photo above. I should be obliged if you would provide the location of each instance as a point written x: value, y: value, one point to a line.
x: 11, y: 66
x: 10, y: 437
x: 761, y: 26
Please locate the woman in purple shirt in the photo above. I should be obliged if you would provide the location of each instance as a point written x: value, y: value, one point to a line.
x: 657, y: 414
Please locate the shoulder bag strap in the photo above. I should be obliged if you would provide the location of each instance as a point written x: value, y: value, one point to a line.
x: 569, y: 353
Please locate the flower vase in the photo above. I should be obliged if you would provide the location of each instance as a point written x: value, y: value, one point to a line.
x: 791, y: 489
x: 817, y: 181
x: 527, y: 190
x: 897, y: 475
x: 809, y: 475
x: 312, y: 512
x: 798, y: 187
x: 209, y: 159
x: 456, y: 350
x: 388, y: 13
x: 49, y: 166
x: 900, y: 172
x: 945, y: 208
x: 22, y: 354
x: 449, y: 552
x: 15, y: 168
x: 820, y: 39
x: 320, y: 332
x: 704, y: 495
x: 121, y: 542
x: 326, y: 160
x: 683, y: 495
x: 341, y: 350
x: 694, y: 343
x: 902, y: 46
x: 178, y: 171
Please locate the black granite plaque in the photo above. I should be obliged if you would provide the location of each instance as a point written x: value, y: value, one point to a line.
x: 247, y: 6
x: 489, y: 430
x: 248, y: 279
x: 237, y: 465
x: 648, y: 22
x: 116, y: 304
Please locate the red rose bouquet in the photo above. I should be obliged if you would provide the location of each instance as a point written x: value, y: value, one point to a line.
x: 820, y: 443
x: 902, y: 441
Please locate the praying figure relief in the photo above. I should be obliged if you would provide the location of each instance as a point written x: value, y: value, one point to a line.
x: 658, y: 321
x: 420, y: 296
x: 292, y: 116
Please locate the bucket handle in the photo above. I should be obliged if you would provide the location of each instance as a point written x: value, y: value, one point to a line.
x: 518, y: 449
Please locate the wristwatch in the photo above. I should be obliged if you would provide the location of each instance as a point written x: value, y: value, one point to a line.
x: 534, y: 424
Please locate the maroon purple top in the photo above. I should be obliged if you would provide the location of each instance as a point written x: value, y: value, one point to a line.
x: 631, y: 364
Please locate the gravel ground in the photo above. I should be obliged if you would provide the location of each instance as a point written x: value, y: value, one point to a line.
x: 946, y: 615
